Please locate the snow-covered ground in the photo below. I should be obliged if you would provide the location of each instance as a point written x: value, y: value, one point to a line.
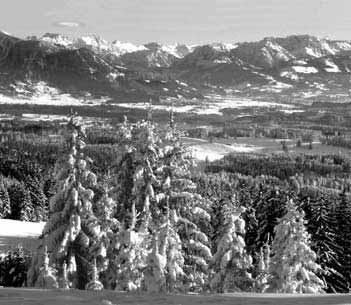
x: 17, y: 228
x: 43, y: 117
x: 25, y: 296
x: 43, y: 94
x: 213, y: 105
x: 331, y: 67
x: 14, y: 233
x: 305, y: 70
x: 216, y: 151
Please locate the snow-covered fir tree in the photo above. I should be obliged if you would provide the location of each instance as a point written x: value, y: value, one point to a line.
x: 38, y: 198
x: 293, y: 264
x: 105, y: 210
x: 64, y: 282
x: 171, y: 248
x: 72, y: 233
x: 162, y: 217
x: 127, y: 257
x: 134, y: 192
x: 155, y: 272
x: 94, y: 284
x: 262, y: 269
x: 189, y: 215
x: 146, y: 158
x: 47, y: 275
x: 231, y: 263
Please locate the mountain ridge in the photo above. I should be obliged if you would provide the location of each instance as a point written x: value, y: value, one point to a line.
x: 296, y: 65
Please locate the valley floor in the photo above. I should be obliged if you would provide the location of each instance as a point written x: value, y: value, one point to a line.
x: 16, y: 296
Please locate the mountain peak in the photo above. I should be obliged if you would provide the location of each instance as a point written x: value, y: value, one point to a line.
x: 55, y: 38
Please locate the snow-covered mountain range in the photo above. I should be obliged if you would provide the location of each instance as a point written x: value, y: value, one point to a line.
x: 122, y: 71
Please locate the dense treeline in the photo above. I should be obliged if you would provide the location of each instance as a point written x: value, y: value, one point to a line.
x: 283, y: 166
x: 13, y: 268
x: 135, y: 214
x: 145, y: 225
x: 338, y: 141
x: 327, y: 213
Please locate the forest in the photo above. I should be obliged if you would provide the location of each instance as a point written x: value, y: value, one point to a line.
x: 127, y: 208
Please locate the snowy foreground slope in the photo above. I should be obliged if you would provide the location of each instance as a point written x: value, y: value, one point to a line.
x: 17, y: 296
x: 13, y: 233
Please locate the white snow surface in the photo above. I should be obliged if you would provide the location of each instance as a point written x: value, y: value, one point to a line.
x: 6, y: 33
x: 14, y: 233
x: 43, y: 117
x: 94, y: 42
x: 289, y: 75
x: 57, y: 39
x: 343, y: 45
x: 305, y: 70
x: 223, y: 46
x: 216, y: 151
x: 213, y: 104
x: 328, y: 48
x: 331, y: 67
x: 172, y: 49
x: 313, y: 53
x: 120, y: 48
x: 46, y: 95
x: 117, y: 47
x: 26, y: 296
x: 15, y: 228
x: 300, y: 62
x: 280, y: 52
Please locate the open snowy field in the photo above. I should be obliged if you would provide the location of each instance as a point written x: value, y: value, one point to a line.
x: 42, y: 94
x: 213, y: 105
x: 13, y: 296
x: 202, y: 149
x: 216, y: 151
x: 14, y: 233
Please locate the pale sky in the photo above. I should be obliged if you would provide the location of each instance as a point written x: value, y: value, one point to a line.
x: 183, y: 21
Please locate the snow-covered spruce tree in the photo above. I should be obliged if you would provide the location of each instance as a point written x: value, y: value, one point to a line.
x: 47, y: 275
x: 231, y: 263
x: 72, y: 233
x: 105, y: 212
x: 127, y: 258
x: 293, y: 265
x: 122, y: 176
x: 134, y: 192
x: 94, y: 284
x: 262, y: 269
x: 171, y: 249
x: 127, y: 266
x: 157, y: 216
x: 38, y: 198
x: 64, y: 282
x: 186, y: 213
x: 155, y: 272
x: 146, y: 157
x: 164, y: 271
